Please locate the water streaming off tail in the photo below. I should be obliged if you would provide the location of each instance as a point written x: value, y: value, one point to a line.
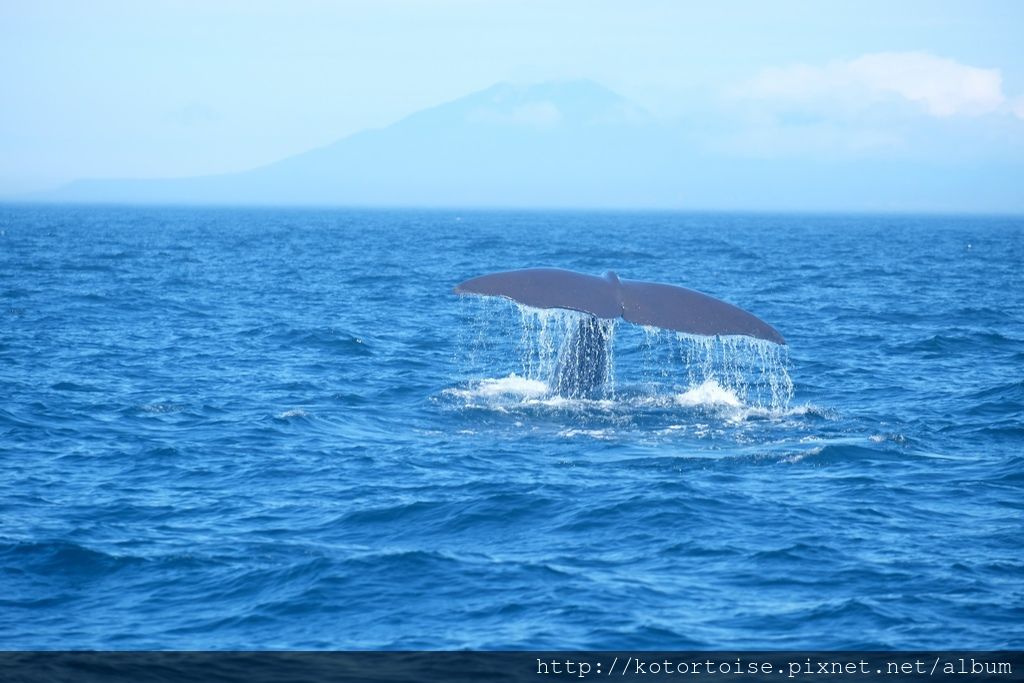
x: 505, y: 339
x: 752, y: 370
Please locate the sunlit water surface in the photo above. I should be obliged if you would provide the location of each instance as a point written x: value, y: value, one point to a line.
x: 226, y: 428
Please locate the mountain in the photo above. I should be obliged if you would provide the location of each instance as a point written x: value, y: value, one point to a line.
x: 577, y: 144
x: 552, y: 144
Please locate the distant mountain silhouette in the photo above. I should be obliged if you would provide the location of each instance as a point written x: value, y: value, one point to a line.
x: 572, y: 144
x: 552, y: 144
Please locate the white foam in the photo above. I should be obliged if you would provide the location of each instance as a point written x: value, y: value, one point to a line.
x: 797, y: 457
x: 161, y: 408
x: 709, y: 393
x: 514, y: 391
x: 603, y: 434
x: 510, y: 386
x: 741, y: 377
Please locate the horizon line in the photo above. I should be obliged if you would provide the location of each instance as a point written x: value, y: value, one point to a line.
x: 488, y: 208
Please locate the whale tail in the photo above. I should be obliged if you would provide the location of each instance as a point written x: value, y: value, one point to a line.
x: 645, y: 303
x: 582, y: 366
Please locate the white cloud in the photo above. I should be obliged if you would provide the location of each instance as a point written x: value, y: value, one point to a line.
x: 940, y: 87
x: 1018, y: 107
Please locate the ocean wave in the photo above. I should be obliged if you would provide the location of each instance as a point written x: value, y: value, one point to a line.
x: 324, y: 338
x: 73, y: 386
x: 850, y: 449
x: 62, y: 558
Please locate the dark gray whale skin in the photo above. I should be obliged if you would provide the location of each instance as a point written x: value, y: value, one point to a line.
x: 582, y: 364
x: 645, y: 303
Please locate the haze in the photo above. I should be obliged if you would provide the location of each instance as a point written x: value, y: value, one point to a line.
x: 792, y: 105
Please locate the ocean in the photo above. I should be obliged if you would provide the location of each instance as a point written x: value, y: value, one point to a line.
x: 226, y: 428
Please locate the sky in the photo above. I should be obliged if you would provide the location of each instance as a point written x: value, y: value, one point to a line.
x: 119, y: 89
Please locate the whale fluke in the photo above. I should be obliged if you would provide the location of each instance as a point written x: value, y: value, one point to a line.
x: 645, y: 303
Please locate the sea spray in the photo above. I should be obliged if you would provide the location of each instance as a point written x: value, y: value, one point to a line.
x: 756, y: 371
x: 542, y: 334
x: 509, y: 339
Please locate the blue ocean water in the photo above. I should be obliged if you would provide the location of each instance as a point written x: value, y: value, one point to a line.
x: 229, y: 428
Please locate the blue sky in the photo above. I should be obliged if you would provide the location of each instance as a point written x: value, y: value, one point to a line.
x: 164, y: 89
